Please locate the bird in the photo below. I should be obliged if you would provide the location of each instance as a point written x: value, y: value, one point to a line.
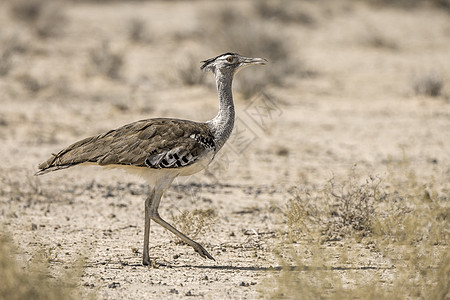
x: 161, y: 149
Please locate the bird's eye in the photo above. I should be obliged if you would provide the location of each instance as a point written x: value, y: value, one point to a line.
x: 230, y: 59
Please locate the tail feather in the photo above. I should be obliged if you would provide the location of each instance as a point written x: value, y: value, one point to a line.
x: 51, y: 169
x: 77, y: 153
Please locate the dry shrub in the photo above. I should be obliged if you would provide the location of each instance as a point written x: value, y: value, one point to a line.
x: 340, y: 209
x: 5, y: 62
x: 33, y: 281
x: 376, y: 39
x: 105, y: 61
x: 137, y: 31
x: 283, y: 11
x: 430, y: 84
x: 350, y: 207
x: 30, y: 83
x: 192, y: 223
x: 10, y: 45
x: 45, y: 17
x: 408, y: 4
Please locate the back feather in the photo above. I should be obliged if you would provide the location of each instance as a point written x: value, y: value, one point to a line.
x: 154, y: 143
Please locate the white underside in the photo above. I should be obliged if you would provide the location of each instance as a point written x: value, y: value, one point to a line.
x: 162, y: 178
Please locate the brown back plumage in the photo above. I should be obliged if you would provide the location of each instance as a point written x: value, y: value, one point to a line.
x: 153, y: 143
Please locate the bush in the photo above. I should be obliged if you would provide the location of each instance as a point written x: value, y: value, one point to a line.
x: 105, y: 61
x: 136, y: 30
x: 45, y: 18
x: 428, y: 85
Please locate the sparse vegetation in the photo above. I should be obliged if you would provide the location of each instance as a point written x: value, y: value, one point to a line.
x: 376, y: 39
x: 444, y: 4
x: 105, y: 61
x: 33, y: 281
x: 430, y: 84
x: 137, y: 31
x: 5, y: 62
x: 404, y: 221
x: 422, y: 275
x: 10, y: 46
x: 26, y: 189
x: 46, y: 18
x: 283, y: 11
x: 30, y: 83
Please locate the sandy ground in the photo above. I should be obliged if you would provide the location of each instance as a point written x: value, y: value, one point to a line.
x: 358, y: 108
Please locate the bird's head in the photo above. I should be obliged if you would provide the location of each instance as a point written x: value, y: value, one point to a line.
x: 230, y: 62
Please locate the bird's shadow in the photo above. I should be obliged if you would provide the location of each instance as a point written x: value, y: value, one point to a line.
x: 160, y: 265
x: 275, y: 268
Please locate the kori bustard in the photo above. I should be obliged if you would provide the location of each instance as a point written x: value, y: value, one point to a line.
x: 161, y: 149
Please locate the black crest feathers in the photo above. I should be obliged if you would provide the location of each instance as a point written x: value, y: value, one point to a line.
x: 207, y: 62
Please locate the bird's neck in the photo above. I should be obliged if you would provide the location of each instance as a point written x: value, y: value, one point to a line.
x: 222, y: 125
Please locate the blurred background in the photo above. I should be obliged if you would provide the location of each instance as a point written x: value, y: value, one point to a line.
x: 339, y: 71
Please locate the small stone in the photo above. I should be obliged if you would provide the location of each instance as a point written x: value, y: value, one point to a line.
x: 114, y: 285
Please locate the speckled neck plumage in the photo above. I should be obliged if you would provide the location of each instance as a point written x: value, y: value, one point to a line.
x: 222, y: 125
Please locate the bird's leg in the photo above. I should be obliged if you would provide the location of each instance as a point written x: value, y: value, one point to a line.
x: 148, y: 202
x: 154, y: 215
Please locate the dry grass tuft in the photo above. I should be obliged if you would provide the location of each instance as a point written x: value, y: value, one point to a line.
x: 192, y: 223
x: 33, y: 281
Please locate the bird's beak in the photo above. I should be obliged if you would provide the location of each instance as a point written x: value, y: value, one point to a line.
x: 254, y: 61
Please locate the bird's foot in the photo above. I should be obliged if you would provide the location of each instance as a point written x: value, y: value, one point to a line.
x: 150, y: 262
x: 203, y: 253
